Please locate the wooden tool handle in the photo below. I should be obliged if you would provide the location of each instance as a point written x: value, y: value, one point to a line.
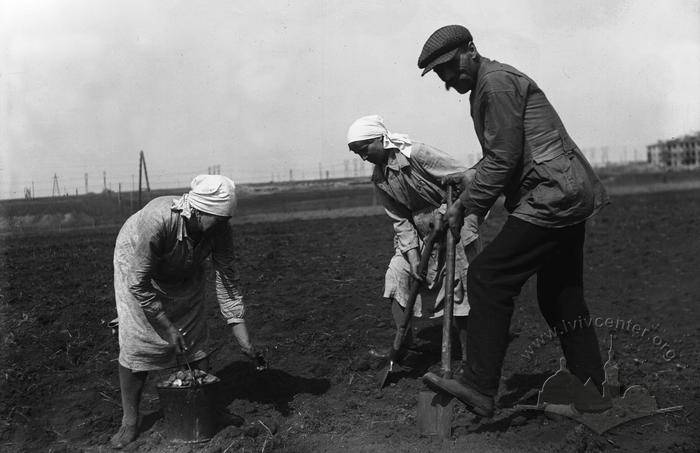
x: 413, y: 293
x: 446, y: 356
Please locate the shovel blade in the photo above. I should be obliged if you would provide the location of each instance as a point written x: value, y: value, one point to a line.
x: 384, y: 376
x: 435, y: 413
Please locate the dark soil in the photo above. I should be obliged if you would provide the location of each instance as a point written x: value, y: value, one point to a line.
x: 313, y: 292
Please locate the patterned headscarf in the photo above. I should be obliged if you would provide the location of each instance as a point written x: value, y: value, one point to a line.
x: 372, y: 126
x: 212, y: 194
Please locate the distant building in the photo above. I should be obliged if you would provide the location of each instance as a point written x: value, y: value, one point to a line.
x: 677, y: 152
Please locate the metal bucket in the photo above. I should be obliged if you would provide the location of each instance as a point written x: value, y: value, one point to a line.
x: 189, y: 412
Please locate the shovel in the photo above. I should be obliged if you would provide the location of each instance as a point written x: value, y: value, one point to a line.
x: 435, y: 410
x: 408, y: 312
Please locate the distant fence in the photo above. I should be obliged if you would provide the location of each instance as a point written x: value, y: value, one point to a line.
x: 277, y: 201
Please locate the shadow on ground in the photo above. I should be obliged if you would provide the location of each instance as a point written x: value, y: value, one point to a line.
x: 522, y: 389
x: 240, y: 380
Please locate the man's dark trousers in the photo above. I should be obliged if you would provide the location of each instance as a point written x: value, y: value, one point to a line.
x: 497, y: 275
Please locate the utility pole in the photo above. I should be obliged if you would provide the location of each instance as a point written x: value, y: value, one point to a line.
x: 104, y: 181
x: 55, y: 190
x: 144, y: 171
x: 86, y: 184
x: 320, y: 171
x: 131, y: 196
x: 291, y: 177
x: 33, y: 195
x: 140, y: 157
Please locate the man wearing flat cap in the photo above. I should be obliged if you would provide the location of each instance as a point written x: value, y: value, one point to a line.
x: 550, y: 190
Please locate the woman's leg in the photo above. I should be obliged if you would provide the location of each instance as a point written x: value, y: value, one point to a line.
x: 397, y: 311
x: 131, y: 384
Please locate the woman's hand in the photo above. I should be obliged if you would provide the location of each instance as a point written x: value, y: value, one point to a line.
x: 460, y: 180
x: 176, y: 339
x: 455, y: 218
x: 240, y: 331
x: 257, y: 357
x: 414, y: 263
x: 167, y: 330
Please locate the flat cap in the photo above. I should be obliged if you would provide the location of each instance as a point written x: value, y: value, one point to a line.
x: 442, y: 46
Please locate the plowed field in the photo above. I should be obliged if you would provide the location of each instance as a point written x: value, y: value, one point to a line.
x: 313, y: 291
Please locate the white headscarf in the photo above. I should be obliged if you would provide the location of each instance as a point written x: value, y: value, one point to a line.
x: 212, y: 194
x: 372, y: 126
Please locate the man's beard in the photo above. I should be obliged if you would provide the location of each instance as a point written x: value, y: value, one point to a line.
x: 462, y: 86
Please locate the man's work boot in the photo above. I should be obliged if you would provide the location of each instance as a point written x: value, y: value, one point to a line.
x: 125, y: 435
x: 475, y: 401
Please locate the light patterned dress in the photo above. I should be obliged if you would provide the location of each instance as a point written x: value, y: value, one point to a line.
x: 409, y: 189
x: 159, y: 268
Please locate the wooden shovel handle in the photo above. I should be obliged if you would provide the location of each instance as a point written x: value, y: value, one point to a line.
x: 446, y: 356
x: 414, y: 290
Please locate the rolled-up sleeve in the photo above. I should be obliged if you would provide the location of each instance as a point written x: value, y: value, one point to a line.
x: 406, y: 234
x: 228, y: 292
x: 502, y: 149
x: 141, y: 265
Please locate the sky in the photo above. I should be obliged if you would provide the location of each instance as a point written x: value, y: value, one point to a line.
x: 262, y: 89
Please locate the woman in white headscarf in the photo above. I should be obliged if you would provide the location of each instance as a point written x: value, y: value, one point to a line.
x: 159, y: 285
x: 408, y: 179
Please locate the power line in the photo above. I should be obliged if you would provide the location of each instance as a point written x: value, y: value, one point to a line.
x: 180, y: 179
